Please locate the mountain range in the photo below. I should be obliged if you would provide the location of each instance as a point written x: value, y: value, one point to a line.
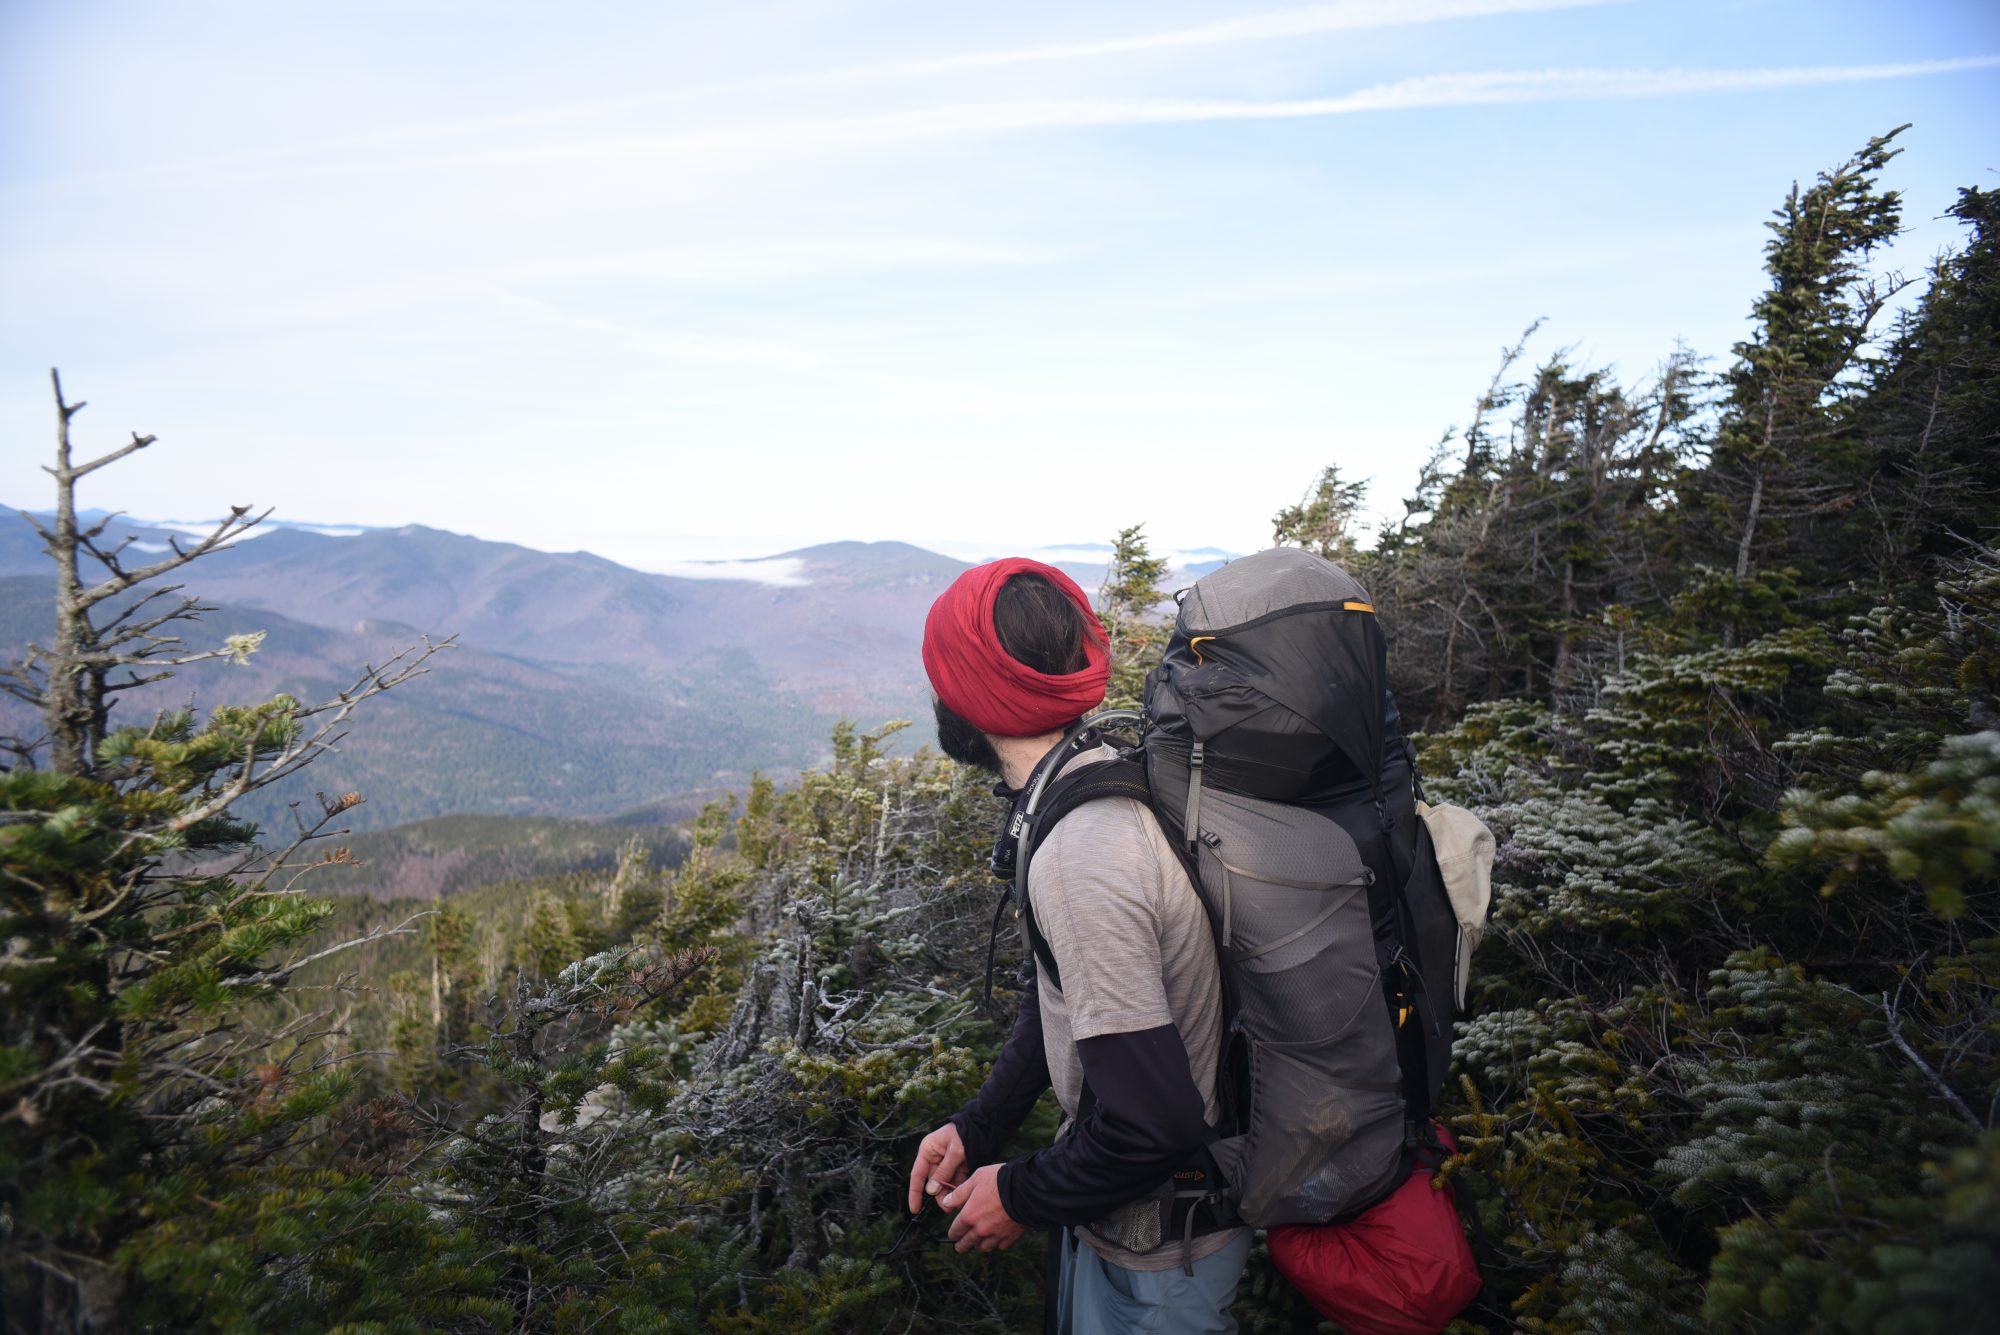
x: 578, y: 687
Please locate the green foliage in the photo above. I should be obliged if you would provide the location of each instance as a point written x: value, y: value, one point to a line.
x: 1788, y: 461
x: 1128, y: 604
x: 1324, y: 520
x: 725, y: 1150
x: 1932, y: 409
x: 1938, y: 827
x: 1525, y: 561
x: 131, y: 1082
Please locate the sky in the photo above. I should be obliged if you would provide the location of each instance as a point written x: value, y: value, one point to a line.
x: 671, y: 280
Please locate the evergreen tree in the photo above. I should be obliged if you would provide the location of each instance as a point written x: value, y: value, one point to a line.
x: 1736, y: 1065
x: 1787, y: 460
x: 1128, y: 604
x: 145, y: 926
x: 1930, y: 420
x: 1521, y: 573
x: 1324, y: 520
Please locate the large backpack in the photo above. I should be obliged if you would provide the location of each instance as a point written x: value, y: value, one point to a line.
x: 1271, y: 752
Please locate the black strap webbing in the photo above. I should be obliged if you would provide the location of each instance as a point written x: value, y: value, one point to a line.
x: 1123, y: 777
x: 1126, y: 777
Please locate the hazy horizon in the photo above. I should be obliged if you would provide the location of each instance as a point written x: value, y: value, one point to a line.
x: 752, y: 558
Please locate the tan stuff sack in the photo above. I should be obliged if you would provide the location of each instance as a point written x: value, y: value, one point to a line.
x: 1464, y: 848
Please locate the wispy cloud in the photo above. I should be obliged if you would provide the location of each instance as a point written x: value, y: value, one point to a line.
x: 1452, y: 90
x: 710, y: 265
x: 1304, y: 21
x: 1269, y: 25
x: 1433, y: 90
x: 785, y: 572
x: 1020, y: 115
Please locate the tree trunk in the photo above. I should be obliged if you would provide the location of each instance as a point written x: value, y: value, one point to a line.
x: 1750, y: 527
x: 66, y: 709
x: 1559, y: 675
x: 437, y: 977
x: 795, y: 1194
x: 84, y: 1302
x: 1757, y: 487
x: 532, y: 1157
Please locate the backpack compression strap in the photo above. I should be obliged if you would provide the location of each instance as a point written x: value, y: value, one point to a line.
x: 1401, y: 970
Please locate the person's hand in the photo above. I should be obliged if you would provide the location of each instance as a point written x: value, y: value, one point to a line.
x: 939, y: 1165
x: 982, y: 1222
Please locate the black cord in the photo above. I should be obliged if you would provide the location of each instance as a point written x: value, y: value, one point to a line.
x: 992, y: 941
x: 902, y: 1239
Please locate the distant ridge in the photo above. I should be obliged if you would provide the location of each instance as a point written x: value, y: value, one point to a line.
x: 483, y: 732
x: 582, y: 688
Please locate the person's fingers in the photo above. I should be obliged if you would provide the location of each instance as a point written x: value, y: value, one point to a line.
x: 951, y: 1165
x: 950, y: 1199
x: 947, y: 1176
x: 920, y: 1170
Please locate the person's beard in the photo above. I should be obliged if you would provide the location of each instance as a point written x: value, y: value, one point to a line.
x: 964, y: 743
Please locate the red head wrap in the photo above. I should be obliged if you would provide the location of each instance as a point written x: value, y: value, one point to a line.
x: 984, y: 684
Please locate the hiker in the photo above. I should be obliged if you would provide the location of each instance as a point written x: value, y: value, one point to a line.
x: 1123, y: 1016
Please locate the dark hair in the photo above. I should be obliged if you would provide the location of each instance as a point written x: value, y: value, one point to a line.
x: 1037, y: 625
x: 962, y: 742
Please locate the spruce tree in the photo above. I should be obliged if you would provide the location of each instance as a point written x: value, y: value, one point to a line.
x: 144, y: 926
x: 1787, y: 460
x: 1324, y: 520
x: 1930, y: 419
x: 1128, y: 604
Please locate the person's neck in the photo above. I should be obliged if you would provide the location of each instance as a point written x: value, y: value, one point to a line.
x: 1019, y: 755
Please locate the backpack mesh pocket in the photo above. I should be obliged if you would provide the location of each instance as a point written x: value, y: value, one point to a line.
x: 1324, y: 1134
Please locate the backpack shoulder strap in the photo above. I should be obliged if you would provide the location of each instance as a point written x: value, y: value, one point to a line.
x: 1123, y: 777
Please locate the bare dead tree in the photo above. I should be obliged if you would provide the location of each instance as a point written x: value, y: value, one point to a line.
x: 73, y: 678
x: 127, y: 969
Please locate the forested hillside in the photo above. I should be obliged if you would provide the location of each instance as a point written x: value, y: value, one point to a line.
x: 1716, y: 652
x: 497, y: 735
x: 579, y: 687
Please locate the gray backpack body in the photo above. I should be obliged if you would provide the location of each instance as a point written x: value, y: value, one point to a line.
x: 1271, y: 752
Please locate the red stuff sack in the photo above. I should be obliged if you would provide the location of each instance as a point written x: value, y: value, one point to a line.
x: 1401, y: 1267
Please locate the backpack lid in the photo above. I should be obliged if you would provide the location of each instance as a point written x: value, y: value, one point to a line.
x: 1276, y: 579
x: 1276, y: 665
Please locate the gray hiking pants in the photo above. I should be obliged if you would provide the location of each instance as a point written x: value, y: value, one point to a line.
x: 1098, y: 1298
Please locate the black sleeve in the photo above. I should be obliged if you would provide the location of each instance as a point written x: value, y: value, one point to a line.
x: 1018, y: 1077
x: 1146, y: 1122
